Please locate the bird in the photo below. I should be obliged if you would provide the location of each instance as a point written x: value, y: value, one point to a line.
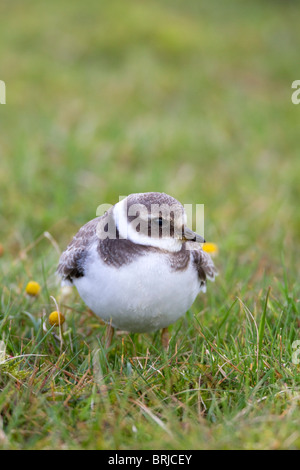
x: 138, y: 266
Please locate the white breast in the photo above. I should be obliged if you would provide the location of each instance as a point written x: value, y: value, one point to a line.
x: 142, y: 296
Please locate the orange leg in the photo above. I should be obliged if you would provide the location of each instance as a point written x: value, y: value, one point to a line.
x: 109, y: 336
x: 165, y: 339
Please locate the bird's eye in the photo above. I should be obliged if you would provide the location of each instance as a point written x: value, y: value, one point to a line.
x: 159, y: 221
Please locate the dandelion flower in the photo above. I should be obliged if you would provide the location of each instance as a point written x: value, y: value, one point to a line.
x: 210, y: 248
x: 33, y: 288
x: 56, y: 318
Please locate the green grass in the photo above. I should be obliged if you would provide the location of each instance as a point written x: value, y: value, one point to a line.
x: 190, y: 98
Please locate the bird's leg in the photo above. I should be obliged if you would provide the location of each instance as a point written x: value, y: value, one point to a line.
x: 165, y: 339
x: 109, y: 336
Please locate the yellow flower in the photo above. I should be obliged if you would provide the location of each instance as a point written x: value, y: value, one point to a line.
x: 210, y: 248
x: 56, y: 319
x: 33, y: 288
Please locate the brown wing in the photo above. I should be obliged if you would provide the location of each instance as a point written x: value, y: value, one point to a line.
x: 205, y: 266
x: 72, y: 261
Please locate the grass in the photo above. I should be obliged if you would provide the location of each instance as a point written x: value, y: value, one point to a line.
x: 190, y: 98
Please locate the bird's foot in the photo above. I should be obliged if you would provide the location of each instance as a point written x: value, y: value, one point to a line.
x: 165, y: 338
x: 109, y: 336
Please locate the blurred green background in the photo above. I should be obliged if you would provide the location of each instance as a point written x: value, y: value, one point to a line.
x: 106, y: 98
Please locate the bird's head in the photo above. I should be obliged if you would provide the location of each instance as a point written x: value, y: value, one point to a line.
x: 153, y: 219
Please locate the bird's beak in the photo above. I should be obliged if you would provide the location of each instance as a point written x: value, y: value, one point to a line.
x: 190, y: 236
